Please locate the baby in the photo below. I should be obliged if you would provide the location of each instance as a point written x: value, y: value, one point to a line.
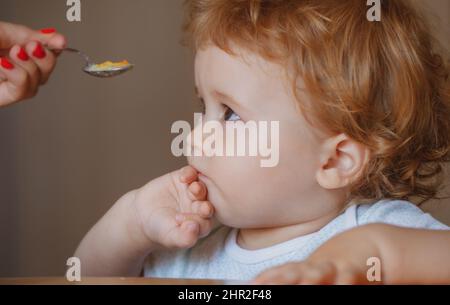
x: 364, y: 125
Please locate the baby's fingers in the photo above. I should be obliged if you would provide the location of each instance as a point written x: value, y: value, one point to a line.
x: 205, y: 225
x: 282, y: 275
x: 298, y: 273
x: 197, y: 190
x: 318, y: 274
x: 202, y: 208
x: 188, y: 174
x: 183, y: 235
x: 350, y: 277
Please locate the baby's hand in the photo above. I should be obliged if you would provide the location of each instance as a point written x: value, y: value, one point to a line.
x: 341, y: 260
x: 312, y: 273
x: 173, y: 210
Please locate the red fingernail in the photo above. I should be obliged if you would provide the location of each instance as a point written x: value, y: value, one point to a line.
x: 6, y: 64
x: 39, y: 51
x: 48, y: 31
x: 23, y: 55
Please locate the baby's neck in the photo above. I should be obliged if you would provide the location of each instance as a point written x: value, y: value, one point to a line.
x: 254, y: 239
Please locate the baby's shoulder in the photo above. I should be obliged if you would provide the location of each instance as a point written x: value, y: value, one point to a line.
x: 397, y: 212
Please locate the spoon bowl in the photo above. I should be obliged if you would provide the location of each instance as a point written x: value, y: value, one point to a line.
x: 97, y: 70
x: 107, y: 72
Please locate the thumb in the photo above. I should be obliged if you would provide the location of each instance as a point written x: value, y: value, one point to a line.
x: 12, y: 34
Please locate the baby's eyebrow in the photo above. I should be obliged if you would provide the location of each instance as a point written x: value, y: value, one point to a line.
x: 226, y: 97
x: 222, y: 96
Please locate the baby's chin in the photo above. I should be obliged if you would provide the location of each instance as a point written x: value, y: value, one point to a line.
x: 226, y: 212
x: 237, y: 221
x: 221, y: 208
x: 228, y: 215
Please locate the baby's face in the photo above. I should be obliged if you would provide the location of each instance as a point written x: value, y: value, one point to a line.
x: 245, y: 194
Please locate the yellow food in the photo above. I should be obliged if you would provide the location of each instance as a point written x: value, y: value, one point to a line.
x: 110, y: 65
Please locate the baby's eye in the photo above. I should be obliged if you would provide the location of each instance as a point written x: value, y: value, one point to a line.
x: 202, y: 105
x: 230, y: 115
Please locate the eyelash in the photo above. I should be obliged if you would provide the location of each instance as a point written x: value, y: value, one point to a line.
x: 227, y: 115
x: 202, y: 105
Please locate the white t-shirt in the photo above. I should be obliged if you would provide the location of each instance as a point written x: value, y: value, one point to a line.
x: 218, y: 256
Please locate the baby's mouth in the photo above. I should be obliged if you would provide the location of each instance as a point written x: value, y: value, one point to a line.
x: 202, y: 177
x: 205, y: 179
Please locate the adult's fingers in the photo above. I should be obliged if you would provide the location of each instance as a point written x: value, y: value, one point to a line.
x: 43, y: 58
x: 15, y: 84
x: 12, y: 34
x: 20, y: 58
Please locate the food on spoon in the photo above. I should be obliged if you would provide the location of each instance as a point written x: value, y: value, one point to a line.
x: 109, y: 65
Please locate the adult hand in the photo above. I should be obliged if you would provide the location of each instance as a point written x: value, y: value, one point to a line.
x: 26, y: 62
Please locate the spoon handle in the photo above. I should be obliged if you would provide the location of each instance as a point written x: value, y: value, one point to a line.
x: 82, y: 54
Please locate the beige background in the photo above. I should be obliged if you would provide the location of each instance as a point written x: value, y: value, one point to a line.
x: 66, y: 156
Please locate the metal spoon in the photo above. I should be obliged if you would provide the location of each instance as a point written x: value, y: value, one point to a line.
x: 90, y: 67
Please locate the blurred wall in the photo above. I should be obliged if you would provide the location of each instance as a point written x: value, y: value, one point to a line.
x: 66, y: 156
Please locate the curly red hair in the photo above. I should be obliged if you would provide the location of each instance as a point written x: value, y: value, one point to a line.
x: 381, y: 83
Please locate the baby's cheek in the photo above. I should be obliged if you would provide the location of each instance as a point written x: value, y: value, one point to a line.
x: 246, y: 194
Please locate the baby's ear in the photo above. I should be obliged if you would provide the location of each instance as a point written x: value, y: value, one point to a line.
x: 342, y: 160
